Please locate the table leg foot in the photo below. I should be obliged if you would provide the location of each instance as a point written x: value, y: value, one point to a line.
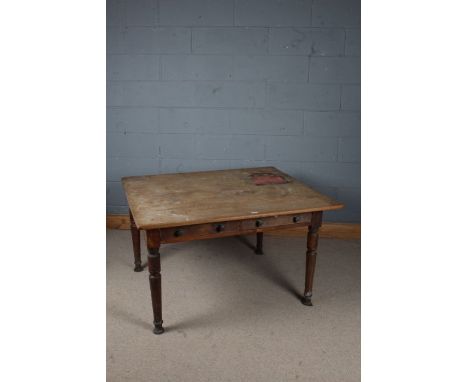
x: 158, y: 328
x: 307, y: 300
x: 138, y: 268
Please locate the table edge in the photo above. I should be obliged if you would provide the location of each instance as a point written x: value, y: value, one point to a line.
x: 238, y: 217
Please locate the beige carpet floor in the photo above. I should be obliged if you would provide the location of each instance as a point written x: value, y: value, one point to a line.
x: 231, y: 315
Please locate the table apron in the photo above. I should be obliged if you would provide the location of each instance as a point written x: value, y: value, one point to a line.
x: 237, y: 227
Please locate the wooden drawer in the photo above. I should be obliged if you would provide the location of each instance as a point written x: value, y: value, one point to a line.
x: 199, y: 231
x: 232, y: 228
x: 261, y: 224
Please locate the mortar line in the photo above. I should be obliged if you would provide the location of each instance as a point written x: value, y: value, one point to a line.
x: 234, y: 13
x: 191, y: 40
x: 308, y: 27
x: 160, y: 67
x: 157, y: 18
x: 223, y: 54
x: 269, y: 40
x: 311, y: 12
x: 224, y: 159
x: 303, y: 122
x: 248, y: 108
x: 344, y: 43
x: 337, y: 149
x: 235, y: 108
x: 223, y: 134
x: 159, y: 121
x: 341, y: 96
x: 245, y: 82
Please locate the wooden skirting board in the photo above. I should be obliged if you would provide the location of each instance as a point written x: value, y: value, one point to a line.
x: 347, y: 231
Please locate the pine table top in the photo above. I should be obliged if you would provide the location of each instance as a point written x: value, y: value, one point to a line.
x: 172, y: 200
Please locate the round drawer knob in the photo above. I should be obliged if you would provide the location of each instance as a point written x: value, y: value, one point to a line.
x: 296, y: 219
x: 219, y: 228
x: 178, y: 233
x: 258, y: 223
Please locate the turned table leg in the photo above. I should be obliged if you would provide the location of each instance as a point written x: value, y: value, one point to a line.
x: 136, y: 243
x: 154, y: 266
x: 311, y: 257
x: 259, y: 247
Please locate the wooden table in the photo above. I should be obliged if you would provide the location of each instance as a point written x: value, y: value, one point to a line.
x: 173, y: 208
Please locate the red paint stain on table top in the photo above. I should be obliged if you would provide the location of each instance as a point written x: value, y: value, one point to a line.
x: 265, y: 178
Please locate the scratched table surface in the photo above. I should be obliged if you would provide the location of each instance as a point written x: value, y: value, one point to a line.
x: 172, y: 200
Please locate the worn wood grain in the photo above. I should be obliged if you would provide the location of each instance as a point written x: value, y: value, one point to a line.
x: 174, y: 200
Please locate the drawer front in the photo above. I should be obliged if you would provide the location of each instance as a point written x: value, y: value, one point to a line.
x: 199, y: 231
x: 261, y: 224
x: 232, y: 228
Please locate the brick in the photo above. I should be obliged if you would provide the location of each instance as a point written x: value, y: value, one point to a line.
x: 116, y: 210
x: 186, y: 94
x: 148, y: 40
x: 132, y: 120
x: 176, y: 145
x: 349, y: 149
x: 114, y: 13
x: 140, y: 12
x: 131, y: 145
x: 351, y: 97
x: 194, y: 121
x: 301, y: 148
x: 187, y: 67
x: 115, y: 39
x: 353, y: 42
x: 196, y: 12
x: 331, y: 192
x: 188, y: 165
x: 115, y: 194
x: 290, y: 168
x: 272, y: 13
x: 245, y: 163
x: 119, y: 167
x: 336, y: 13
x: 266, y: 122
x: 335, y: 70
x: 230, y: 147
x: 230, y: 40
x: 307, y: 41
x: 344, y: 215
x: 270, y: 68
x: 231, y: 94
x: 351, y: 197
x: 254, y: 68
x: 333, y: 174
x: 332, y: 124
x: 303, y: 96
x: 132, y: 67
x: 150, y: 94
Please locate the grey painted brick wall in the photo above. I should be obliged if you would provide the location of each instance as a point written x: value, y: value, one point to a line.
x: 215, y: 84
